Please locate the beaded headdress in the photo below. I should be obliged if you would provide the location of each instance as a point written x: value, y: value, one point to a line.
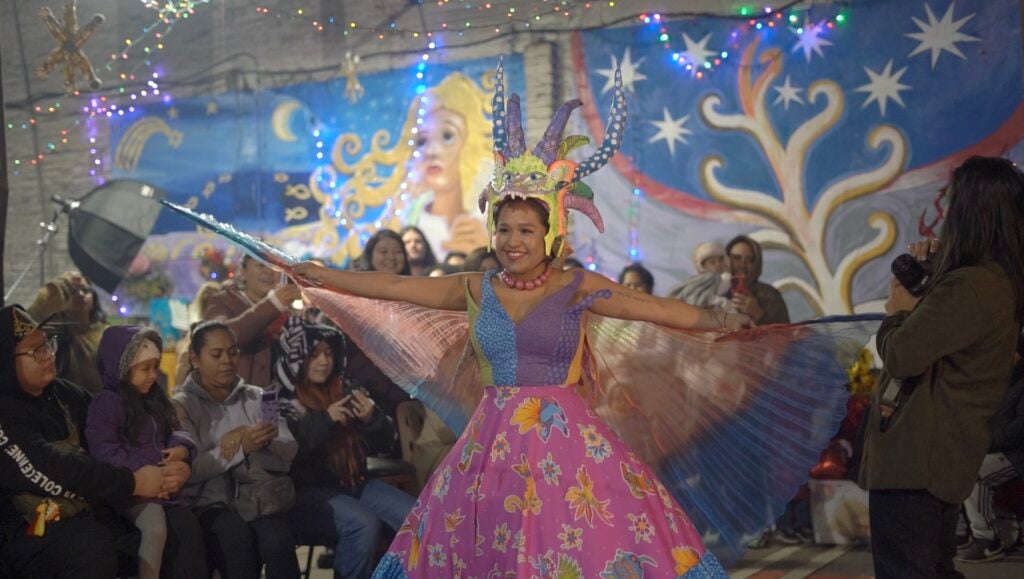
x: 544, y: 173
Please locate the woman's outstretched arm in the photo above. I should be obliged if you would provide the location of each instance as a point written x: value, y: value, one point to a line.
x: 627, y: 304
x: 442, y: 293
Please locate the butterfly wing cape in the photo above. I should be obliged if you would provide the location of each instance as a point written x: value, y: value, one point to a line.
x: 732, y: 423
x: 257, y: 248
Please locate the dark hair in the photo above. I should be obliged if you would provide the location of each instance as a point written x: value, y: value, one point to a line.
x: 365, y: 261
x: 138, y: 406
x: 643, y: 272
x: 429, y: 259
x: 985, y: 220
x: 572, y: 262
x: 456, y: 255
x: 475, y: 259
x: 197, y: 335
x: 445, y: 269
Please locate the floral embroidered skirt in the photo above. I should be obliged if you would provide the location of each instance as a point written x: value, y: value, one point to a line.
x: 538, y: 486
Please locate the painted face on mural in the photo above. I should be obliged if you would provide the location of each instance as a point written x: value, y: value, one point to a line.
x: 387, y: 256
x: 438, y: 145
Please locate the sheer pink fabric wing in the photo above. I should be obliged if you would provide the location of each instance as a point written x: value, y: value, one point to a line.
x: 425, y: 351
x: 733, y: 423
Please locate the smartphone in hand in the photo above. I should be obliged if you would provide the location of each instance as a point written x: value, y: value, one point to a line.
x: 268, y: 406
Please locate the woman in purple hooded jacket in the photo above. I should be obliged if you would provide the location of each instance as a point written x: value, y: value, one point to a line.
x: 132, y: 423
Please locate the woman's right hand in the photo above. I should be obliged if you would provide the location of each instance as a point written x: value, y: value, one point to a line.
x: 149, y: 481
x: 924, y: 249
x: 339, y: 411
x: 231, y: 442
x: 257, y: 436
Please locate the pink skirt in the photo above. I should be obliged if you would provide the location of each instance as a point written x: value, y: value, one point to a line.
x: 538, y: 486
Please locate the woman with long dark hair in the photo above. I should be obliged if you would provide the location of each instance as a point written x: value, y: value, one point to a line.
x: 385, y: 251
x: 418, y: 250
x: 947, y: 361
x: 336, y: 425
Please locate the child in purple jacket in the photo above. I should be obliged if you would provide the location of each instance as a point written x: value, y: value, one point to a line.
x: 132, y: 423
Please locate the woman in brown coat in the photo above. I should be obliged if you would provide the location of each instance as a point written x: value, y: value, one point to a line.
x: 947, y: 356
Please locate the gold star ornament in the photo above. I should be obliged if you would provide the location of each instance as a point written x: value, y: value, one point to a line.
x: 70, y: 40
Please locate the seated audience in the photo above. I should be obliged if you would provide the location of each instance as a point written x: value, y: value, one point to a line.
x: 481, y: 259
x: 235, y: 445
x: 251, y: 304
x: 708, y: 288
x: 133, y: 424
x: 78, y: 322
x: 455, y: 259
x: 337, y: 425
x: 384, y: 251
x: 1003, y: 463
x: 749, y: 295
x: 48, y: 481
x: 418, y: 250
x: 637, y: 277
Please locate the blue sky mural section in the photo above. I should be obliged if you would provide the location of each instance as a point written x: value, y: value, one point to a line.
x: 948, y: 102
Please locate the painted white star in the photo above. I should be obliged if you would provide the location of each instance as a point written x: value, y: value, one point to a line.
x: 883, y: 86
x: 696, y: 53
x: 937, y: 35
x: 787, y: 93
x: 630, y: 73
x: 810, y: 39
x: 670, y: 130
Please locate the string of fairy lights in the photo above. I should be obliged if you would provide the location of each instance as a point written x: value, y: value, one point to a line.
x: 140, y: 74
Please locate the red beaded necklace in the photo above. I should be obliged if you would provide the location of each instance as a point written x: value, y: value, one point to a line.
x: 529, y: 285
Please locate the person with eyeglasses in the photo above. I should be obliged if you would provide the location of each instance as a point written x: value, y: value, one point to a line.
x: 50, y: 487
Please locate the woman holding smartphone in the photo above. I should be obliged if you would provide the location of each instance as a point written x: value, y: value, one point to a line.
x: 224, y: 416
x: 336, y: 426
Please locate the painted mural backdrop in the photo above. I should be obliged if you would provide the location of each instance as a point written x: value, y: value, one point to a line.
x: 316, y: 168
x: 826, y: 135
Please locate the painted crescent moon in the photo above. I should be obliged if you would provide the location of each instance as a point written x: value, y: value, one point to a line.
x: 280, y: 120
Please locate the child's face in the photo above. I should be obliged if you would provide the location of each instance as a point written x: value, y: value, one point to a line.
x: 715, y: 264
x: 142, y: 376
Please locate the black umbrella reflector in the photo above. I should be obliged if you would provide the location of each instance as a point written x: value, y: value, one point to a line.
x: 108, y: 227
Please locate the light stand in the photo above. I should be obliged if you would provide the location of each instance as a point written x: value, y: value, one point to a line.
x: 50, y: 229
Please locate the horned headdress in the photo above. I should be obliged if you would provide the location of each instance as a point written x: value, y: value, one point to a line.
x: 544, y: 173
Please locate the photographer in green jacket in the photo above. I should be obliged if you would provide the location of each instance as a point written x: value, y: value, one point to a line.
x: 947, y: 361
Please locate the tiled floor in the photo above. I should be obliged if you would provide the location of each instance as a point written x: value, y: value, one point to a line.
x: 817, y: 561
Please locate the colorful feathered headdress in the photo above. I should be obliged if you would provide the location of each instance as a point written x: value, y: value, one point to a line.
x: 544, y: 173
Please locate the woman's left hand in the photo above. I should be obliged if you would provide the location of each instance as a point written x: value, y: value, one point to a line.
x: 362, y: 406
x: 900, y: 300
x: 174, y: 454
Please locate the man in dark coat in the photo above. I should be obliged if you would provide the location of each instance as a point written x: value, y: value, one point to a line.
x: 46, y: 472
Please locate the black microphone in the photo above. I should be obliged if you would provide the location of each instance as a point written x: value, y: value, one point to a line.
x: 911, y: 273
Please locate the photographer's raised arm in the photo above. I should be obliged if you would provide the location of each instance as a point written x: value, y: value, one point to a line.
x: 945, y: 321
x: 443, y: 293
